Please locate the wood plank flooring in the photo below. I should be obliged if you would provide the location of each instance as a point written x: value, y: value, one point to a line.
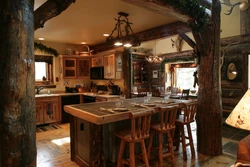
x: 50, y: 154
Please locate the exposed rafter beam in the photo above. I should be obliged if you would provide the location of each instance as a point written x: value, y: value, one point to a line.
x: 157, y: 6
x: 189, y: 41
x: 163, y: 31
x: 48, y: 10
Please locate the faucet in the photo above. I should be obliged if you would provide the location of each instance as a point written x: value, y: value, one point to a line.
x: 38, y: 89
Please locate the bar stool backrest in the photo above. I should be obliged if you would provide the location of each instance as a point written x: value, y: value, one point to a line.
x: 190, y: 111
x: 140, y: 123
x: 168, y: 117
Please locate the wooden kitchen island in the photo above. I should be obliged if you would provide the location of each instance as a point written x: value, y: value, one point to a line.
x: 93, y: 143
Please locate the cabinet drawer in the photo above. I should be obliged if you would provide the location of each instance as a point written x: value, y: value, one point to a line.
x: 47, y: 99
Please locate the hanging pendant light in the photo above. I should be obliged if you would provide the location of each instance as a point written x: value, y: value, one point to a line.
x: 125, y: 35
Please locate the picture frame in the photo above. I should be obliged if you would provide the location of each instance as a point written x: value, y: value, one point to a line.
x: 155, y: 73
x: 68, y: 51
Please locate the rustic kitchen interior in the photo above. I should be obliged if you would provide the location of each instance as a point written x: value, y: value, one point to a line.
x: 80, y: 111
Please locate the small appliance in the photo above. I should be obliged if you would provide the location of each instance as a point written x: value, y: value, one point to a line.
x: 97, y: 73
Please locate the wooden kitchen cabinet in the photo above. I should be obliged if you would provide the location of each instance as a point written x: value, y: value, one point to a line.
x: 47, y: 110
x: 39, y: 113
x: 75, y: 67
x: 69, y: 67
x: 113, y: 65
x: 109, y: 66
x: 97, y: 61
x: 83, y: 66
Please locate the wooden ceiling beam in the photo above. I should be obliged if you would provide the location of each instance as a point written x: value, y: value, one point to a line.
x: 163, y: 31
x: 189, y: 41
x: 157, y: 6
x: 48, y: 10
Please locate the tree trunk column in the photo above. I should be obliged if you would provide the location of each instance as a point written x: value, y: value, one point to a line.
x: 17, y: 104
x: 209, y: 113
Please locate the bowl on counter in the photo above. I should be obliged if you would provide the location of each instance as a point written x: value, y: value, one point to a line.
x: 193, y: 91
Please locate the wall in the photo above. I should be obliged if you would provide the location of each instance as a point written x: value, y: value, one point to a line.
x: 230, y: 24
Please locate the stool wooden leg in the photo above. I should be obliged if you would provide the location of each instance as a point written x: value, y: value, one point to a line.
x: 160, y: 150
x: 177, y: 137
x: 170, y: 147
x: 190, y: 140
x: 150, y: 143
x: 183, y: 141
x: 144, y: 153
x: 120, y: 155
x: 132, y: 154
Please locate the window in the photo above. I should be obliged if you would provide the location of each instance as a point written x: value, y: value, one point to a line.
x: 185, y: 78
x: 43, y: 68
x: 40, y: 70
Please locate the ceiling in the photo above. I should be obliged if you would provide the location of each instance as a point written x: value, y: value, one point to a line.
x: 87, y: 21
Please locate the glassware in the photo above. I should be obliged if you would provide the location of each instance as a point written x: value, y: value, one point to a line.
x: 122, y: 98
x: 145, y: 99
x: 167, y: 95
x: 118, y: 104
x: 149, y: 95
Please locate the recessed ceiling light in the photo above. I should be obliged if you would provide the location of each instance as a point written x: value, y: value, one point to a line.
x: 83, y: 42
x: 41, y: 39
x: 105, y: 35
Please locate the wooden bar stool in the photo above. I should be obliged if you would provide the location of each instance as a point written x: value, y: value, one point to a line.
x: 183, y: 120
x: 166, y: 125
x: 139, y: 131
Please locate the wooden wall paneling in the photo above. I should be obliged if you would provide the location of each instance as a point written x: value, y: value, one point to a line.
x: 232, y: 91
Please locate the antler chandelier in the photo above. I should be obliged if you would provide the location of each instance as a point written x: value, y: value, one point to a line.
x: 125, y: 35
x: 154, y: 58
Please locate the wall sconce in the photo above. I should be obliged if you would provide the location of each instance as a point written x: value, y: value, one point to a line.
x: 125, y: 35
x: 243, y: 5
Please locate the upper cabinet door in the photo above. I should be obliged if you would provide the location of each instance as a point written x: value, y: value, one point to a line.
x: 69, y: 68
x: 97, y: 61
x: 83, y: 68
x: 109, y: 66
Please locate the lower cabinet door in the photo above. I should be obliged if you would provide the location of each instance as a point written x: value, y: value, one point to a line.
x: 39, y: 114
x: 50, y: 113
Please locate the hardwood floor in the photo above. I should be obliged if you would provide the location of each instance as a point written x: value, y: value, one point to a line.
x: 50, y: 154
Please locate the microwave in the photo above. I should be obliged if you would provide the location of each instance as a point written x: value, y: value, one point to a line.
x: 97, y: 72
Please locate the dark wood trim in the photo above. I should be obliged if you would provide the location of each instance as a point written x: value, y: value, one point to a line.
x: 240, y: 39
x: 245, y: 73
x: 186, y: 54
x: 237, y: 48
x: 189, y: 41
